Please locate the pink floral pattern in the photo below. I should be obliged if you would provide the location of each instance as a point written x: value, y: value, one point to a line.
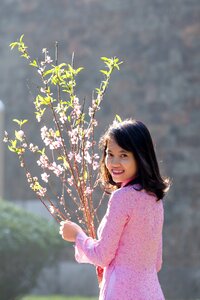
x: 129, y: 246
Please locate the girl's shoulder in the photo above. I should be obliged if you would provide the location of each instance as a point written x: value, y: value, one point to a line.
x: 132, y: 193
x: 126, y: 192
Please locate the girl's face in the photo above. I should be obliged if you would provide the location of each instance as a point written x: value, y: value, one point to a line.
x: 120, y: 163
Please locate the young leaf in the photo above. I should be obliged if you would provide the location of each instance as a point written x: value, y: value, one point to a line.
x: 20, y: 122
x: 118, y: 118
x: 21, y: 38
x: 13, y: 45
x: 79, y: 70
x: 23, y: 122
x: 105, y: 58
x: 41, y: 151
x: 17, y: 121
x: 34, y: 63
x: 104, y: 72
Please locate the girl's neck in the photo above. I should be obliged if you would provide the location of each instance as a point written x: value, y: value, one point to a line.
x: 127, y: 181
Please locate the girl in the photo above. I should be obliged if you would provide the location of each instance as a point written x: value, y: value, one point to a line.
x: 129, y: 245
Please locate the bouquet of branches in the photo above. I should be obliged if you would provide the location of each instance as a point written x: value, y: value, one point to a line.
x: 68, y: 125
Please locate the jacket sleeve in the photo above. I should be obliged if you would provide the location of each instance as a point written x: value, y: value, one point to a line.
x: 159, y: 256
x: 102, y: 251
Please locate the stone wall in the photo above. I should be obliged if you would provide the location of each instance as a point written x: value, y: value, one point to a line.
x: 158, y: 41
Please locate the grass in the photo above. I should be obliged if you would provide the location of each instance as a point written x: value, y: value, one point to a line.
x: 56, y: 297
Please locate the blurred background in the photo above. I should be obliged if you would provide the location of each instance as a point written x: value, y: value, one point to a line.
x: 159, y: 84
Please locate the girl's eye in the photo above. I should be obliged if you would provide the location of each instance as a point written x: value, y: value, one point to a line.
x: 123, y: 155
x: 109, y: 154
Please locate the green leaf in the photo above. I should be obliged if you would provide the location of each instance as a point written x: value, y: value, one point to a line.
x: 17, y: 121
x: 34, y: 63
x: 85, y: 175
x: 65, y: 164
x: 12, y: 149
x: 104, y: 72
x: 20, y: 122
x: 62, y: 65
x: 36, y: 186
x: 57, y: 133
x: 46, y: 100
x: 48, y: 72
x: 24, y: 121
x: 118, y: 118
x: 40, y: 113
x: 105, y: 58
x: 98, y: 90
x: 13, y: 45
x: 70, y: 68
x: 41, y: 151
x: 13, y: 145
x: 25, y: 55
x: 21, y: 38
x: 79, y: 70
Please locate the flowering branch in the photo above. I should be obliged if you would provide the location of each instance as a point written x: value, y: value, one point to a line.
x: 69, y: 152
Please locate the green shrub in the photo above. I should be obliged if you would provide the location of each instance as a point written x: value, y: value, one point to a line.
x: 27, y: 244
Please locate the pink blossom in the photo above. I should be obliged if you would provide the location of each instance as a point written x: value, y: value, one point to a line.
x: 6, y: 139
x: 62, y: 200
x: 73, y: 136
x: 91, y: 111
x: 38, y: 117
x: 88, y: 132
x: 70, y: 155
x: 78, y: 158
x: 42, y: 90
x: 28, y: 176
x: 48, y: 59
x: 94, y: 122
x: 52, y: 209
x: 88, y: 144
x: 45, y: 176
x: 76, y: 101
x: 50, y: 138
x: 57, y: 169
x: 95, y: 165
x: 41, y: 192
x: 43, y: 161
x: 44, y: 131
x: 88, y: 190
x: 96, y: 156
x: 41, y: 70
x: 69, y: 191
x: 70, y: 181
x: 88, y: 157
x: 33, y: 148
x: 62, y: 117
x: 21, y: 133
x: 76, y: 112
x: 57, y: 143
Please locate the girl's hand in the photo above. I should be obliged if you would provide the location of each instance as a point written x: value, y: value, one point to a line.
x: 69, y: 230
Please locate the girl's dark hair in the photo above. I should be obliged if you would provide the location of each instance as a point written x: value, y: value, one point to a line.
x: 134, y: 136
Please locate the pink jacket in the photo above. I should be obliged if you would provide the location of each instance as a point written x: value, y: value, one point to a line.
x: 129, y: 246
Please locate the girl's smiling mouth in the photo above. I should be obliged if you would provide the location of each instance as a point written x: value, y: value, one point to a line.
x: 117, y: 172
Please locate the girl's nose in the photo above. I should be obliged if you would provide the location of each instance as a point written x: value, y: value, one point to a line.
x: 115, y: 161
